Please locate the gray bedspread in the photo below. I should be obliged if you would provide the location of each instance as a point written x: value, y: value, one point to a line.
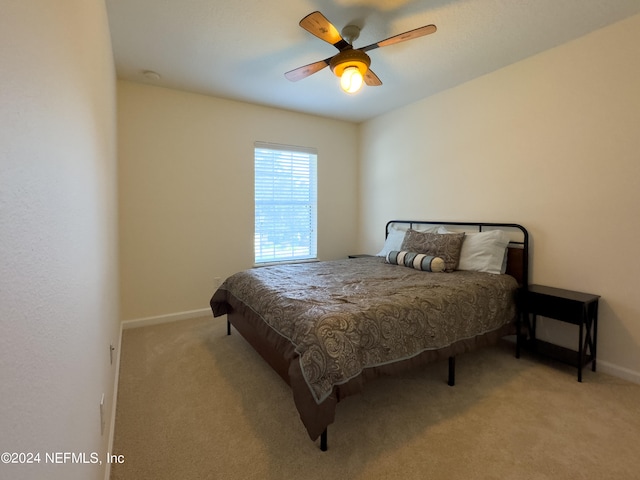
x: 347, y: 315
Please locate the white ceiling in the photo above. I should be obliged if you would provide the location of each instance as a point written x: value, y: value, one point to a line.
x: 240, y: 49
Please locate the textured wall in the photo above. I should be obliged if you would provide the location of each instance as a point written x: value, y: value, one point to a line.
x: 58, y: 237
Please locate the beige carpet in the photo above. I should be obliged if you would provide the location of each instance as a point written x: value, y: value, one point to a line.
x: 194, y: 403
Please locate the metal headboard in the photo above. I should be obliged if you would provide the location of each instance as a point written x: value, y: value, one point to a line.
x: 518, y: 254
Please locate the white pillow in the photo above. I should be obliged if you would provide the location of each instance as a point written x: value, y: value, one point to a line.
x: 396, y: 237
x: 484, y: 252
x: 426, y: 228
x: 393, y: 241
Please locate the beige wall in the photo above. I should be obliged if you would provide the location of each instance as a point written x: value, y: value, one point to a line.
x: 58, y: 239
x: 552, y: 143
x: 186, y: 191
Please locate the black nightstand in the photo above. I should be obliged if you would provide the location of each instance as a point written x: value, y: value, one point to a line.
x: 567, y: 306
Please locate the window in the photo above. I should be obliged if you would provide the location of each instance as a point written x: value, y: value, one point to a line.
x: 285, y: 203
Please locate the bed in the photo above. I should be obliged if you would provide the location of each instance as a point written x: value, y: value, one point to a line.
x: 434, y: 291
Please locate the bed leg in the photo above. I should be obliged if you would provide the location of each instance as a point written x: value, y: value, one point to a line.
x: 518, y: 333
x: 323, y: 441
x: 228, y: 327
x: 452, y: 371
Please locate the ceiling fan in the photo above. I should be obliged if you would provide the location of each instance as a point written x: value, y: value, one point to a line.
x: 350, y: 64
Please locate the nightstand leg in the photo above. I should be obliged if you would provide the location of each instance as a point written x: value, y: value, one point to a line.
x: 594, y: 316
x: 534, y: 324
x: 580, y: 352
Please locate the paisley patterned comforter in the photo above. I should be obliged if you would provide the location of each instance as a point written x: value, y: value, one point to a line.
x: 347, y: 315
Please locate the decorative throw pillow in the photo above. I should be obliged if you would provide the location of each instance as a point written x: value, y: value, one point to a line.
x: 446, y: 247
x: 419, y: 261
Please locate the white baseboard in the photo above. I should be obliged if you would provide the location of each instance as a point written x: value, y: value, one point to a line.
x: 617, y: 371
x: 170, y: 317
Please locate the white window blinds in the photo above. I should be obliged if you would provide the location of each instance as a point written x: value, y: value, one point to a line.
x: 285, y: 203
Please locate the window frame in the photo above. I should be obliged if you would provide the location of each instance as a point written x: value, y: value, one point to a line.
x: 287, y: 197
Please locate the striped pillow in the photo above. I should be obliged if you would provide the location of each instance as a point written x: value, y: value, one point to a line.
x: 419, y: 261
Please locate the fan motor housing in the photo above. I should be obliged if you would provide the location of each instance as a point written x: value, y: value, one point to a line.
x: 350, y: 58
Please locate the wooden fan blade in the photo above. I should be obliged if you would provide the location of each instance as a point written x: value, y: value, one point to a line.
x: 318, y: 25
x: 371, y: 79
x: 410, y: 35
x: 303, y: 72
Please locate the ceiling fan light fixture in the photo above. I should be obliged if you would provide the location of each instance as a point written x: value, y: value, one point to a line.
x: 351, y: 79
x: 350, y: 66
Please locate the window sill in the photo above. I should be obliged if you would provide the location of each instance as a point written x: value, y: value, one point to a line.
x: 285, y: 262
